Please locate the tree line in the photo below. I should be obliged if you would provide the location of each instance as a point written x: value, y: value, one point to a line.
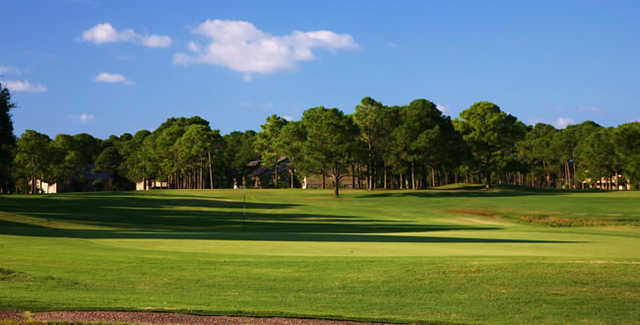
x: 412, y: 146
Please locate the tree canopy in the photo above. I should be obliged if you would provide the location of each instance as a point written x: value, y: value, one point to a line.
x: 490, y: 133
x: 330, y: 137
x: 413, y: 146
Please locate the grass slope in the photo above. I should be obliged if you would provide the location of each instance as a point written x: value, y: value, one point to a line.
x: 453, y: 255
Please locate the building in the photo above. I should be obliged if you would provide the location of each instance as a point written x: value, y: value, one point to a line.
x: 618, y: 182
x: 151, y: 185
x: 44, y: 187
x: 264, y: 177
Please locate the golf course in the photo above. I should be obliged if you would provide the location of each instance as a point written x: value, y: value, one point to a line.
x: 457, y: 254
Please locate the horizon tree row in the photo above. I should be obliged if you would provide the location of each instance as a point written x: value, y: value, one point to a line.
x: 413, y: 146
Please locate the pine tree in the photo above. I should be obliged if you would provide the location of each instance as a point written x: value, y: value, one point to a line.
x: 7, y: 139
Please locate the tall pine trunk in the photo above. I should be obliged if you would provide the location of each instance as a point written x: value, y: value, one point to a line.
x: 433, y: 177
x: 292, y: 176
x: 202, y: 173
x: 370, y: 169
x: 353, y: 176
x: 488, y: 186
x: 211, y: 170
x: 336, y: 181
x: 276, y: 174
x: 575, y: 182
x: 413, y: 176
x: 385, y: 177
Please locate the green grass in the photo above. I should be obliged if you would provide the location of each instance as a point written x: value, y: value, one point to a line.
x: 453, y: 255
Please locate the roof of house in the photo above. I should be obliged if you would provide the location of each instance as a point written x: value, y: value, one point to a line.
x: 268, y: 171
x: 253, y: 163
x: 259, y: 172
x: 256, y: 163
x: 91, y: 174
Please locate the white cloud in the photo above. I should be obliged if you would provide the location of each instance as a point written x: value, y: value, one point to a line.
x: 156, y: 41
x: 562, y: 122
x: 5, y: 69
x: 287, y: 117
x: 193, y: 47
x: 181, y: 58
x: 106, y: 33
x: 83, y: 118
x: 112, y: 78
x: 242, y: 47
x: 442, y: 108
x: 392, y: 45
x: 24, y: 86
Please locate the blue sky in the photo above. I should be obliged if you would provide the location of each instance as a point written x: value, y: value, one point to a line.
x: 109, y: 67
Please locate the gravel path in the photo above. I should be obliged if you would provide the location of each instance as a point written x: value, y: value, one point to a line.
x: 11, y: 315
x: 164, y: 318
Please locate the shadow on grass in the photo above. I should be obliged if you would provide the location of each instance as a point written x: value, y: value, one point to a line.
x: 461, y: 193
x: 20, y: 229
x: 189, y: 217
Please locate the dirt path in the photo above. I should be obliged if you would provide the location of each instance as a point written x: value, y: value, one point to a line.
x: 163, y: 318
x: 13, y: 315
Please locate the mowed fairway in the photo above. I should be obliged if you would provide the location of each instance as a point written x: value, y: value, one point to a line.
x: 460, y: 256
